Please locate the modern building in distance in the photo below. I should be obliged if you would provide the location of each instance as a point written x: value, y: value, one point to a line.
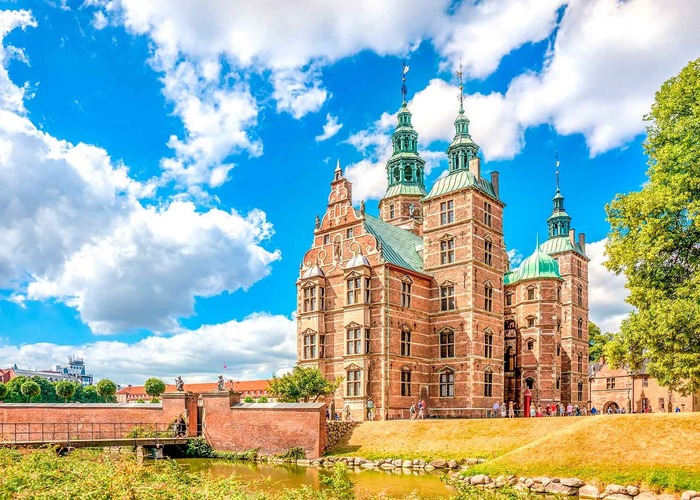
x: 420, y: 302
x: 636, y: 392
x: 76, y: 369
x: 76, y: 374
x: 253, y: 388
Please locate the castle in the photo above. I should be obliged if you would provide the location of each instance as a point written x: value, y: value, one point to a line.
x: 420, y: 303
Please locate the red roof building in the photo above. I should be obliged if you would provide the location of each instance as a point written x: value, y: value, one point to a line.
x: 252, y: 388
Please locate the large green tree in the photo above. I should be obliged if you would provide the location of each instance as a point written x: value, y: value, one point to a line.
x: 597, y: 340
x: 65, y: 389
x: 30, y: 389
x: 154, y: 387
x: 3, y: 391
x: 107, y: 389
x: 655, y: 241
x: 302, y: 384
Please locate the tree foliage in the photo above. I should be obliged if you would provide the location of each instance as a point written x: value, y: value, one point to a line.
x: 302, y: 384
x: 106, y: 390
x: 65, y: 389
x: 655, y: 241
x: 597, y: 341
x: 30, y: 389
x: 3, y: 391
x: 154, y: 387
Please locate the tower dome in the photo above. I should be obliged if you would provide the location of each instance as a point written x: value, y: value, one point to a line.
x: 537, y: 266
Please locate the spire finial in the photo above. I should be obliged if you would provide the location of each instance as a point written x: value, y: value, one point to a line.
x: 556, y: 167
x: 337, y: 166
x: 404, y: 90
x: 461, y: 87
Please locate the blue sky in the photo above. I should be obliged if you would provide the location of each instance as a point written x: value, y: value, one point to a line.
x: 162, y: 163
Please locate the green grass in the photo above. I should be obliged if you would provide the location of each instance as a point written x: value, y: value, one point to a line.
x: 659, y: 451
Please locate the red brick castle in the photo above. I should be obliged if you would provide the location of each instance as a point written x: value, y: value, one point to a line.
x: 420, y: 302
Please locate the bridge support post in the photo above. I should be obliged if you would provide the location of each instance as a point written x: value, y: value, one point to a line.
x: 139, y: 454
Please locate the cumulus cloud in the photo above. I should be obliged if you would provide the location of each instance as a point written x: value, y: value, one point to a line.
x: 606, y: 290
x: 74, y: 227
x: 11, y: 95
x: 330, y: 128
x: 298, y: 92
x: 252, y: 348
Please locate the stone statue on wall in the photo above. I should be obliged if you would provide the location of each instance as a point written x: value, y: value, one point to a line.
x: 220, y: 383
x: 336, y: 250
x: 179, y: 384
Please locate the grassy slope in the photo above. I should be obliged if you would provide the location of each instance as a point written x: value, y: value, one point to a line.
x: 656, y: 449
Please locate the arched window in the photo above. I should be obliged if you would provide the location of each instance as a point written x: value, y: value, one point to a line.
x: 447, y: 384
x: 580, y: 391
x: 488, y: 383
x: 580, y: 295
x: 488, y: 251
x: 408, y: 173
x: 530, y: 344
x: 509, y: 359
x: 531, y: 293
x: 405, y: 382
x: 530, y: 383
x: 558, y: 349
x: 447, y: 343
x: 405, y: 341
x: 579, y: 328
x: 447, y: 250
x: 488, y: 343
x: 579, y: 359
x: 488, y: 296
x: 558, y: 383
x: 352, y: 384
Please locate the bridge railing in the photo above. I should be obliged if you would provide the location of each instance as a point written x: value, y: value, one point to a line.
x: 61, y: 432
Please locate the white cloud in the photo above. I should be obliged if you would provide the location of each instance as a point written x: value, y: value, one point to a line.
x: 330, y: 128
x: 73, y: 227
x: 252, y: 348
x: 480, y: 34
x: 298, y: 92
x: 12, y: 96
x: 99, y: 20
x: 515, y: 258
x: 606, y: 290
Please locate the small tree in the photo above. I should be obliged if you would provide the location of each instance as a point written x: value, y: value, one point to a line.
x: 107, y: 389
x: 30, y: 389
x: 248, y: 399
x: 154, y: 387
x: 65, y: 389
x: 3, y: 391
x: 302, y: 384
x: 263, y: 399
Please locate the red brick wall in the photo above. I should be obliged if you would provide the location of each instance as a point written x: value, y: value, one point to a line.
x: 269, y: 428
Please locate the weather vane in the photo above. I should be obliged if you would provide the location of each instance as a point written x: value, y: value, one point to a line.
x: 556, y: 167
x: 461, y: 87
x: 403, y: 81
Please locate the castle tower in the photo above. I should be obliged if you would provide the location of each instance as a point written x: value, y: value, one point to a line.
x: 405, y: 171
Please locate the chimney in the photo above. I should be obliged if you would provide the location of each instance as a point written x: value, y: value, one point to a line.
x: 475, y: 167
x: 494, y: 182
x: 582, y: 242
x: 572, y: 236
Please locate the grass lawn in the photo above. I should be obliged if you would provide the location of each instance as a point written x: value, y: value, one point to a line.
x: 659, y: 450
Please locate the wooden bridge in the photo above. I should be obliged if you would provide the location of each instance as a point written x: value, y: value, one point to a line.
x: 90, y: 435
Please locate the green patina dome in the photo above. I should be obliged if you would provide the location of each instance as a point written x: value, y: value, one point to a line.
x: 537, y: 266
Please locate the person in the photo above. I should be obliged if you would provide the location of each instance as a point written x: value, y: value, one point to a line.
x: 569, y: 410
x: 496, y: 408
x: 511, y: 409
x: 328, y: 413
x: 533, y: 412
x: 538, y: 413
x: 578, y: 411
x: 412, y: 411
x: 346, y: 412
x: 594, y: 411
x: 503, y: 409
x: 421, y: 410
x: 562, y: 410
x: 370, y: 409
x: 678, y: 410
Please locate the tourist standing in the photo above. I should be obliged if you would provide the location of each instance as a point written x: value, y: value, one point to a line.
x: 370, y: 409
x: 511, y: 409
x: 346, y: 412
x: 412, y: 412
x: 496, y: 409
x: 569, y: 410
x: 421, y: 410
x: 503, y: 409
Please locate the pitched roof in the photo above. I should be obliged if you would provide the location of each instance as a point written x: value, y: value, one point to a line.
x: 399, y: 246
x: 405, y: 189
x: 559, y: 244
x: 460, y: 179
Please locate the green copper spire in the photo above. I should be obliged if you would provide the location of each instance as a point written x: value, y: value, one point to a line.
x: 405, y: 169
x: 463, y: 148
x: 559, y: 222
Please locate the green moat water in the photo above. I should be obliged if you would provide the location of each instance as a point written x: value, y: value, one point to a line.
x: 396, y: 483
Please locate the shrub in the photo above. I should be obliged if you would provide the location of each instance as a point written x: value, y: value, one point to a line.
x: 199, y: 448
x: 248, y: 399
x: 30, y: 389
x: 154, y: 387
x: 3, y: 391
x: 65, y: 389
x: 263, y: 399
x: 292, y: 453
x: 106, y: 389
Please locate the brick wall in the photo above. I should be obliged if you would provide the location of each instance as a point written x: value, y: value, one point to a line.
x: 272, y: 428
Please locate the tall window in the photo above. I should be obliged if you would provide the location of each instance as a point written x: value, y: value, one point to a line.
x: 309, y: 299
x: 531, y: 293
x: 447, y: 213
x: 487, y: 214
x: 531, y: 322
x: 367, y: 339
x: 354, y: 287
x: 510, y: 359
x: 488, y: 344
x: 447, y: 298
x: 392, y: 212
x: 558, y: 349
x: 558, y: 383
x: 405, y: 383
x: 447, y: 384
x: 609, y: 383
x: 405, y: 294
x: 558, y: 294
x: 579, y: 328
x: 488, y: 252
x: 580, y: 362
x: 509, y: 299
x: 530, y: 345
x: 580, y: 295
x: 579, y: 273
x: 488, y: 297
x: 326, y: 239
x: 579, y: 392
x: 310, y: 346
x: 447, y: 251
x: 353, y: 383
x: 405, y: 342
x: 645, y: 382
x: 349, y: 232
x: 447, y: 344
x: 354, y: 341
x: 488, y: 383
x: 368, y: 290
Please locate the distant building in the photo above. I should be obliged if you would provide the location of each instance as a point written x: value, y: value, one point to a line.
x: 74, y: 371
x: 6, y: 374
x: 76, y: 368
x: 252, y: 388
x: 634, y: 392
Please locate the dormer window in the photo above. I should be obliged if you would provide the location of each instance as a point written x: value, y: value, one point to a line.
x: 531, y: 293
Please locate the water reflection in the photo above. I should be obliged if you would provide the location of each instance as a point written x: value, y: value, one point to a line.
x: 395, y: 483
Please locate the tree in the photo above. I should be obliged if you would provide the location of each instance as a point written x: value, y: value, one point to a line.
x: 65, y: 389
x: 248, y: 399
x: 597, y: 341
x: 30, y: 389
x: 655, y: 241
x: 154, y: 387
x: 107, y: 389
x: 263, y: 399
x: 302, y: 384
x: 3, y: 391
